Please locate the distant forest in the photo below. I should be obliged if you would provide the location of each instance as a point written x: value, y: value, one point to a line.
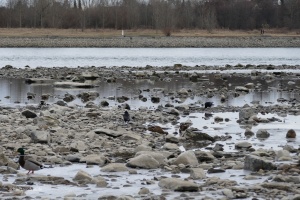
x: 151, y: 14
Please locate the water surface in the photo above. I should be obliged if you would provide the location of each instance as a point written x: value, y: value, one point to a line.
x: 74, y: 57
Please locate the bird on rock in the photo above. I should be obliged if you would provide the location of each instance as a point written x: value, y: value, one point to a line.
x: 28, y: 164
x: 126, y: 117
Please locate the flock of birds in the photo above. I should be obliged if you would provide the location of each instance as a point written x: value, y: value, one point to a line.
x: 32, y: 165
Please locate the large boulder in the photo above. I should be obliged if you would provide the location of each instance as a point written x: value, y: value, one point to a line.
x: 143, y: 161
x: 187, y: 158
x: 255, y: 163
x: 246, y: 113
x: 178, y: 185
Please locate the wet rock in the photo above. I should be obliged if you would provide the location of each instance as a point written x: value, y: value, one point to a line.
x: 255, y: 163
x: 94, y: 159
x: 144, y: 191
x: 104, y: 103
x: 283, y: 155
x: 215, y: 170
x: 155, y: 99
x: 204, y: 156
x: 143, y: 161
x: 178, y: 185
x: 262, y: 133
x: 114, y: 167
x: 187, y: 158
x: 172, y: 111
x: 241, y: 89
x: 243, y: 145
x: 218, y: 119
x: 291, y: 134
x: 157, y: 129
x: 100, y: 182
x: 287, y: 179
x: 143, y: 147
x: 194, y: 134
x: 61, y: 103
x: 5, y: 161
x: 171, y: 146
x: 29, y: 114
x: 83, y: 177
x: 246, y: 113
x: 228, y: 193
x: 248, y: 132
x: 88, y: 96
x: 197, y: 173
x: 42, y: 137
x: 68, y: 97
x: 158, y: 156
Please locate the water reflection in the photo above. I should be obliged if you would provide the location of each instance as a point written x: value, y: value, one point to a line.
x: 14, y: 92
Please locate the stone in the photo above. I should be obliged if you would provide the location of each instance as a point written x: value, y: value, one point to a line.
x: 143, y: 161
x: 197, y: 173
x: 114, y: 167
x: 248, y: 132
x: 291, y: 134
x: 158, y: 156
x: 243, y: 145
x: 83, y: 177
x: 171, y: 146
x: 157, y: 129
x: 5, y: 161
x: 42, y: 137
x: 262, y: 134
x: 178, y: 185
x: 94, y: 159
x: 144, y: 191
x: 187, y: 158
x: 255, y: 163
x: 246, y: 113
x: 29, y: 114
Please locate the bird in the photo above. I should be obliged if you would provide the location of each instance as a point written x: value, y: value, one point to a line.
x: 126, y: 117
x: 208, y: 104
x: 28, y: 164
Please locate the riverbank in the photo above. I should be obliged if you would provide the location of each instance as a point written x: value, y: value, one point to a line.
x: 177, y: 148
x: 146, y: 38
x: 152, y: 42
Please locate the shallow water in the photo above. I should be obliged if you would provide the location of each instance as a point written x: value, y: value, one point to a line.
x: 73, y: 57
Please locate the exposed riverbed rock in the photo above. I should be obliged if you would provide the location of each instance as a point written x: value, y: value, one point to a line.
x: 255, y: 163
x: 143, y: 161
x: 178, y: 185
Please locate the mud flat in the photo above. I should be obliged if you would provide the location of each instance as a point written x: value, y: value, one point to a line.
x: 153, y: 42
x: 172, y: 151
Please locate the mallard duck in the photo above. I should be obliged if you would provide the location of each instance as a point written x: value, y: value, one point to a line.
x: 28, y: 164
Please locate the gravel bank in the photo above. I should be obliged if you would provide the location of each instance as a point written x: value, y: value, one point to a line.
x: 153, y: 42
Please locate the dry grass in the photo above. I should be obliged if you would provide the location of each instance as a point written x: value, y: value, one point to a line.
x: 34, y: 32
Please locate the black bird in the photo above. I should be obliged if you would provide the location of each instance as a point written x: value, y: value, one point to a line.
x: 126, y: 117
x: 208, y: 104
x: 28, y: 164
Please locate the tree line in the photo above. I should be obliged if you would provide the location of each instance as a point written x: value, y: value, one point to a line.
x: 151, y: 14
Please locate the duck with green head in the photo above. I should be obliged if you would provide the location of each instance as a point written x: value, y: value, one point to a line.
x: 28, y: 164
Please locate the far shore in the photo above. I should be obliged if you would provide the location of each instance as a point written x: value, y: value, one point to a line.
x: 147, y: 38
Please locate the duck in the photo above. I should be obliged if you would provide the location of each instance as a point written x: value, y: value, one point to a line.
x: 28, y: 164
x: 126, y: 117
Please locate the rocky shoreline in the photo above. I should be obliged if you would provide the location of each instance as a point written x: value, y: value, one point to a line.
x: 152, y: 42
x: 183, y: 161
